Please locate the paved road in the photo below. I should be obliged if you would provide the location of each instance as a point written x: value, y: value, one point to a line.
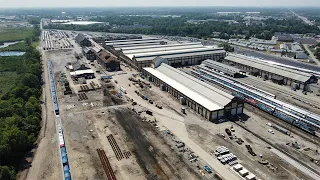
x: 311, y: 55
x: 296, y: 164
x: 277, y: 59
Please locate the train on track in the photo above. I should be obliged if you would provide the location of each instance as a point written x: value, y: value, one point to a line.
x: 267, y: 102
x: 62, y: 146
x: 53, y: 88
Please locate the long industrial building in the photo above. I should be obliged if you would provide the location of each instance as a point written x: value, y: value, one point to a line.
x: 176, y: 57
x: 156, y: 46
x: 276, y: 73
x: 163, y: 48
x: 209, y: 102
x: 134, y: 42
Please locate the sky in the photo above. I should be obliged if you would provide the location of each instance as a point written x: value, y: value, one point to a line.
x: 135, y: 3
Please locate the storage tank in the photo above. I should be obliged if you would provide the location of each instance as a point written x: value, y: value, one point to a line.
x: 182, y: 100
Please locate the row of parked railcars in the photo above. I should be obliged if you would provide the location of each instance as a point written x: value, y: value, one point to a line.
x: 265, y: 101
x: 62, y: 146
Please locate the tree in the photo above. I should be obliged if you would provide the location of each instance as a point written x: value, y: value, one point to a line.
x: 30, y: 80
x: 28, y: 41
x: 7, y: 173
x: 226, y: 47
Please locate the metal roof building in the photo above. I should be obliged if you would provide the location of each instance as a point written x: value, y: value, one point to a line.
x: 163, y: 48
x: 220, y: 67
x: 155, y: 46
x: 134, y: 43
x: 129, y: 40
x: 268, y: 71
x: 178, y: 57
x: 211, y: 103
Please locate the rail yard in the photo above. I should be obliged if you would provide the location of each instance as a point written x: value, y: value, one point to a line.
x: 161, y: 110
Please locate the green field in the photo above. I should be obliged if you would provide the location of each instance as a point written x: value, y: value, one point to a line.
x: 14, y: 34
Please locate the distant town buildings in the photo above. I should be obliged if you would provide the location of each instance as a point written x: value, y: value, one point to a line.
x: 63, y: 14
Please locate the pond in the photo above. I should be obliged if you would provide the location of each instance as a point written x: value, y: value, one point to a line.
x: 12, y: 53
x: 6, y: 44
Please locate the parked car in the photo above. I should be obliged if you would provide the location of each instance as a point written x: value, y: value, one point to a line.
x: 207, y: 168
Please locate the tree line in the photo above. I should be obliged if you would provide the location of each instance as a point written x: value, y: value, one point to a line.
x: 20, y: 111
x: 179, y: 26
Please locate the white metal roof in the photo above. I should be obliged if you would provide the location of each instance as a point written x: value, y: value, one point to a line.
x: 156, y: 46
x: 162, y: 48
x: 87, y: 71
x: 177, y: 52
x: 133, y: 42
x: 258, y: 64
x: 120, y: 46
x: 186, y: 54
x: 207, y: 96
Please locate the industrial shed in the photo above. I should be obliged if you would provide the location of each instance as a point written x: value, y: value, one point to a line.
x: 159, y: 48
x: 223, y: 68
x: 89, y: 53
x: 178, y: 57
x: 108, y: 60
x: 134, y: 42
x: 278, y: 74
x: 209, y: 102
x: 82, y: 40
x: 155, y: 46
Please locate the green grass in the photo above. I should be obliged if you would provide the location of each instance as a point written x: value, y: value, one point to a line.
x: 7, y: 81
x: 14, y: 34
x: 21, y: 46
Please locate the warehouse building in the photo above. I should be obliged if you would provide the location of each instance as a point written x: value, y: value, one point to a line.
x: 108, y: 61
x: 277, y: 74
x: 176, y: 58
x: 163, y: 48
x: 155, y: 46
x: 223, y: 68
x: 211, y: 103
x: 89, y: 53
x: 82, y: 40
x: 133, y: 42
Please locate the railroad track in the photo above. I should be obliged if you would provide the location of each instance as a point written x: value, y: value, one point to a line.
x: 312, y: 103
x: 106, y: 165
x: 115, y: 147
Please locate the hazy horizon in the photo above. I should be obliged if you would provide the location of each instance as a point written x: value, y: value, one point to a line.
x: 163, y: 3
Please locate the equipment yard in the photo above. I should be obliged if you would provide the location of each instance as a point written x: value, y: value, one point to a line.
x: 126, y: 127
